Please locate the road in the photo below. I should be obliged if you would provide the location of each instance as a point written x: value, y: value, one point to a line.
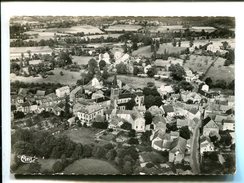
x: 195, y: 165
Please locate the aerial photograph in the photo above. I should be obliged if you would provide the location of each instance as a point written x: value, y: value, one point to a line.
x: 122, y: 95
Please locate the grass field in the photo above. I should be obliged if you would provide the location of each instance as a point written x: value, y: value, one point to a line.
x: 82, y: 135
x: 87, y: 29
x: 102, y: 35
x: 146, y: 50
x: 136, y: 82
x: 81, y: 60
x: 69, y: 78
x: 198, y: 63
x: 91, y: 167
x: 42, y: 34
x: 220, y: 72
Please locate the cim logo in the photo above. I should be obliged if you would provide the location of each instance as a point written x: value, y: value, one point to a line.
x: 27, y: 159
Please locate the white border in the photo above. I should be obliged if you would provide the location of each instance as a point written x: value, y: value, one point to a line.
x: 119, y: 9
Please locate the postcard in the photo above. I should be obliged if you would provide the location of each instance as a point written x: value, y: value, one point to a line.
x: 116, y: 95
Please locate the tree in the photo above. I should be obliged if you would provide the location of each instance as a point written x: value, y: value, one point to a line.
x: 177, y: 72
x: 127, y: 168
x: 155, y: 110
x: 151, y: 72
x: 64, y: 58
x: 185, y: 132
x: 225, y: 45
x: 145, y: 137
x: 149, y: 101
x: 133, y: 141
x: 87, y: 151
x: 132, y: 133
x: 130, y: 104
x: 148, y: 117
x: 102, y: 64
x: 136, y: 71
x: 183, y: 85
x: 111, y: 154
x: 209, y: 81
x: 232, y: 85
x: 121, y: 68
x: 92, y: 67
x: 134, y: 46
x: 158, y: 101
x: 126, y: 126
x: 105, y: 73
x: 57, y: 167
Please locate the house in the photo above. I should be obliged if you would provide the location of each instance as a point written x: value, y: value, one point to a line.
x: 23, y: 91
x: 95, y: 83
x: 87, y: 113
x: 40, y: 93
x: 162, y: 65
x: 146, y: 68
x: 182, y: 122
x: 211, y: 126
x: 174, y: 135
x: 63, y: 91
x: 105, y: 57
x: 105, y: 102
x: 115, y: 122
x: 228, y: 125
x: 97, y: 94
x: 206, y: 145
x: 141, y: 109
x: 205, y: 88
x: 71, y: 121
x: 177, y: 151
x: 73, y: 93
x: 165, y: 89
x: 168, y: 110
x: 160, y: 140
x: 134, y: 117
x: 159, y: 122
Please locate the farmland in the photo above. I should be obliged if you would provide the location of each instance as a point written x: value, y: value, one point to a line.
x: 69, y: 78
x: 87, y: 29
x: 124, y: 27
x: 146, y: 50
x: 90, y: 166
x: 105, y: 36
x: 40, y: 34
x: 136, y: 82
x: 81, y: 60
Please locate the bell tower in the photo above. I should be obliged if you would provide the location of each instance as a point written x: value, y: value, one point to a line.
x: 114, y: 96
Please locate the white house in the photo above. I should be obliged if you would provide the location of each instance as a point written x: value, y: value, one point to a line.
x: 205, y: 88
x: 211, y: 126
x: 206, y: 146
x: 61, y: 92
x: 229, y: 125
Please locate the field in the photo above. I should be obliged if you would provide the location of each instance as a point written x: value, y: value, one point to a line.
x: 198, y: 63
x: 136, y: 82
x: 102, y: 35
x: 90, y: 166
x: 216, y: 43
x: 220, y: 72
x: 87, y: 29
x: 81, y: 60
x: 146, y: 50
x: 125, y: 27
x: 42, y: 34
x: 69, y: 78
x: 33, y: 62
x: 82, y: 135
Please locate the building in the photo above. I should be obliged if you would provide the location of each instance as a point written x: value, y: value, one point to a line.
x: 228, y: 125
x: 211, y: 126
x: 177, y: 151
x: 206, y: 145
x: 88, y: 113
x: 63, y: 91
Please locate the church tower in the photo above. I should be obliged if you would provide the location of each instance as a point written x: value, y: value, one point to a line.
x: 114, y: 96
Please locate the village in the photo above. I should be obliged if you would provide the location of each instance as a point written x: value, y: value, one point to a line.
x: 151, y: 100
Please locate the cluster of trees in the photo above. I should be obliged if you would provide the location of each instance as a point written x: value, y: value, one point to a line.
x: 230, y: 57
x: 184, y: 85
x: 177, y: 72
x: 17, y: 31
x: 33, y: 87
x: 220, y: 84
x: 43, y: 144
x: 32, y: 43
x: 152, y: 97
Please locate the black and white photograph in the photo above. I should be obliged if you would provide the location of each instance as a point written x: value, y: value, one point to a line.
x: 122, y: 95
